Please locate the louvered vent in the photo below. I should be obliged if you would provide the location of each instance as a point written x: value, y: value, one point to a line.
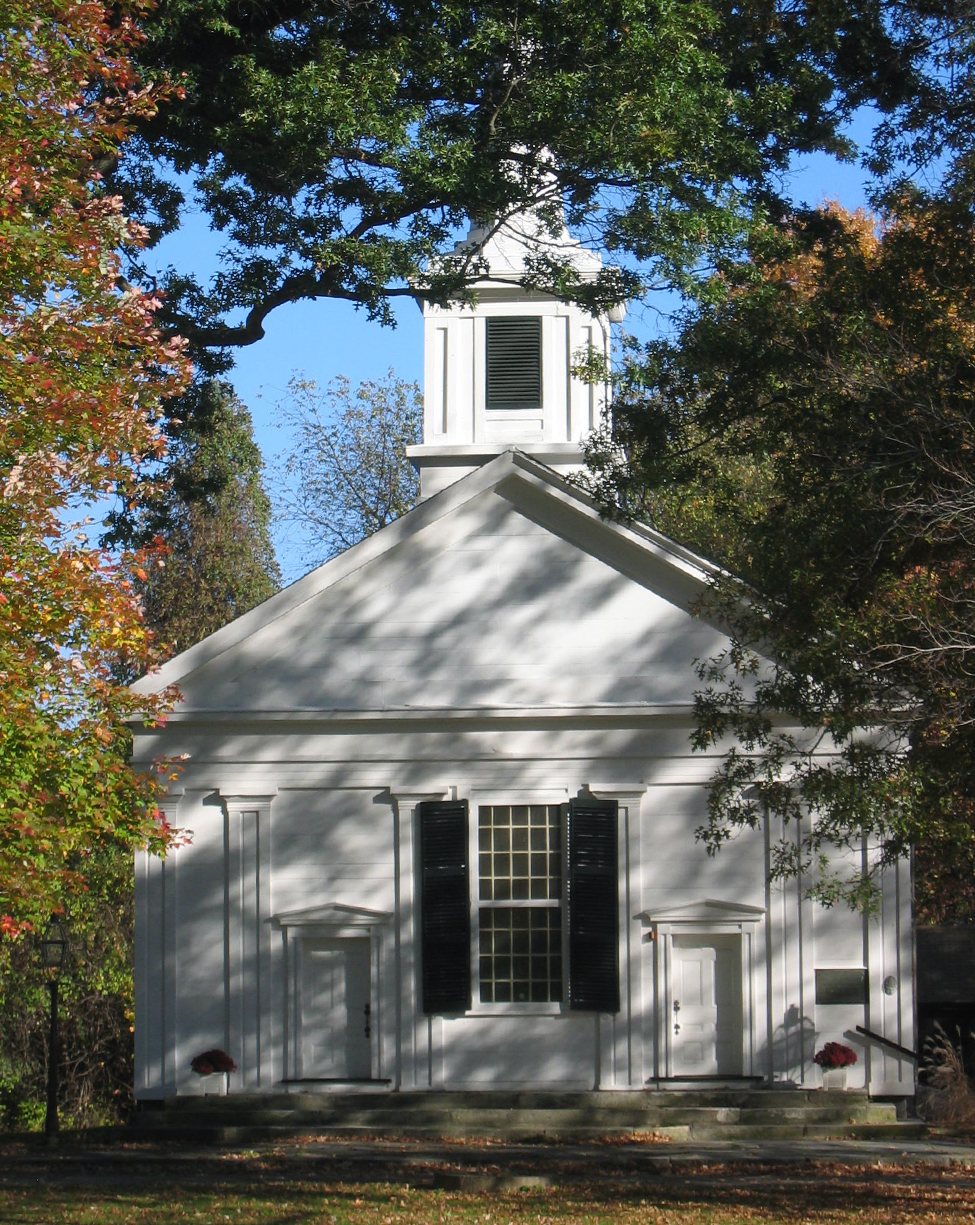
x: 514, y: 362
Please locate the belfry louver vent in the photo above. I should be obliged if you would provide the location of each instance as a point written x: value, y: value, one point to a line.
x: 514, y: 362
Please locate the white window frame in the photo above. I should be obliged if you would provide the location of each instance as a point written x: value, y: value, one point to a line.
x: 501, y: 798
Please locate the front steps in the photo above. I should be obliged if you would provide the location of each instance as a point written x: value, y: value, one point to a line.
x: 684, y: 1115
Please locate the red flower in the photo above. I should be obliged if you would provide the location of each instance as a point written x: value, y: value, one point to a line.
x: 835, y: 1055
x: 213, y: 1061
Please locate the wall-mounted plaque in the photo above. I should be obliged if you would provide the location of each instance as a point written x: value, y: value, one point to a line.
x: 841, y: 986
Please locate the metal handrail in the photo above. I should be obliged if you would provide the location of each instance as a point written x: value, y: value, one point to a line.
x: 894, y: 1046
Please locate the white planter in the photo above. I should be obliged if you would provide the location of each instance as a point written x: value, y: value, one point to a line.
x: 216, y: 1084
x: 834, y: 1078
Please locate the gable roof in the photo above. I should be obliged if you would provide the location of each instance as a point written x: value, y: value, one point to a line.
x: 535, y: 491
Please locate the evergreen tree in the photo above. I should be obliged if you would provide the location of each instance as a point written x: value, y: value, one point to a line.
x: 210, y: 511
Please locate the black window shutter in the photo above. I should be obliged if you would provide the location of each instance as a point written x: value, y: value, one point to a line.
x: 593, y: 905
x: 445, y: 907
x: 514, y: 362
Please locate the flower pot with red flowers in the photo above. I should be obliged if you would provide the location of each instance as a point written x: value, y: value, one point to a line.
x: 214, y: 1067
x: 834, y: 1059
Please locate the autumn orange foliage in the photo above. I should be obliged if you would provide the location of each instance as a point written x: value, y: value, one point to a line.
x: 83, y: 370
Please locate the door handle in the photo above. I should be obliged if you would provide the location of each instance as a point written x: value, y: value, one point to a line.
x: 676, y: 1016
x: 367, y: 1013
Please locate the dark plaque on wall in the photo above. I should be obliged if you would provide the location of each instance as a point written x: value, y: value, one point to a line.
x: 841, y: 986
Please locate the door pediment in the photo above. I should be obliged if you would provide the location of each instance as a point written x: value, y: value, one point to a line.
x: 708, y: 910
x: 333, y: 915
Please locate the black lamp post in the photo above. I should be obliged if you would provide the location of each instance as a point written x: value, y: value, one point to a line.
x: 53, y: 944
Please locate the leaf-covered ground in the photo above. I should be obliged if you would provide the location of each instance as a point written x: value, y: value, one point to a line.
x: 288, y: 1189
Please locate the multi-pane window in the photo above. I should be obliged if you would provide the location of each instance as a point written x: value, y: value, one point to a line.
x: 521, y: 898
x: 514, y: 362
x: 520, y: 903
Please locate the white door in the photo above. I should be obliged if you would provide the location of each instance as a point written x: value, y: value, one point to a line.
x: 335, y: 1010
x: 706, y: 1014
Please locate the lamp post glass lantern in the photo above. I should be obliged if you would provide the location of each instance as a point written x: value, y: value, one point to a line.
x: 53, y: 945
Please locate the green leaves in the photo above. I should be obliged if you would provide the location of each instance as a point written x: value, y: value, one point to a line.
x: 339, y: 149
x: 82, y: 377
x: 811, y: 427
x: 96, y: 1015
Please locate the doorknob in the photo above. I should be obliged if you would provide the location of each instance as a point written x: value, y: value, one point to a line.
x: 676, y: 1016
x: 367, y: 1013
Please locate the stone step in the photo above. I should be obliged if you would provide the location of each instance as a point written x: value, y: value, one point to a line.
x: 856, y: 1111
x: 908, y: 1130
x: 521, y: 1099
x: 240, y: 1134
x: 708, y: 1114
x: 389, y: 1114
x: 492, y: 1122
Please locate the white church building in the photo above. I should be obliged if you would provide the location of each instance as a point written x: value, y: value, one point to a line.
x: 442, y: 798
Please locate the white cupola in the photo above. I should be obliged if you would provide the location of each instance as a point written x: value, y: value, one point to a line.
x: 498, y: 374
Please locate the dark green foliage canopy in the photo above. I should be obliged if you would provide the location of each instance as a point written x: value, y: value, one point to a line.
x: 96, y: 1014
x: 340, y: 148
x: 812, y: 426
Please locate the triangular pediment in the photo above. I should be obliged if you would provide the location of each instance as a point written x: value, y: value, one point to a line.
x: 708, y: 910
x: 506, y: 591
x: 332, y: 914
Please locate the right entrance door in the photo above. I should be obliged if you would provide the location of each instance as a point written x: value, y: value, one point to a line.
x: 706, y: 1011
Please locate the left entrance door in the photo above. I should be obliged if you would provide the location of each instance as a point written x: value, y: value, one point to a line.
x: 335, y: 1010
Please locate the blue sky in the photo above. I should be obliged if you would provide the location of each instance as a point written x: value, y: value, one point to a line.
x: 323, y: 339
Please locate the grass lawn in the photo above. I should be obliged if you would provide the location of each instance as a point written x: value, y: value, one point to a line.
x: 248, y: 1192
